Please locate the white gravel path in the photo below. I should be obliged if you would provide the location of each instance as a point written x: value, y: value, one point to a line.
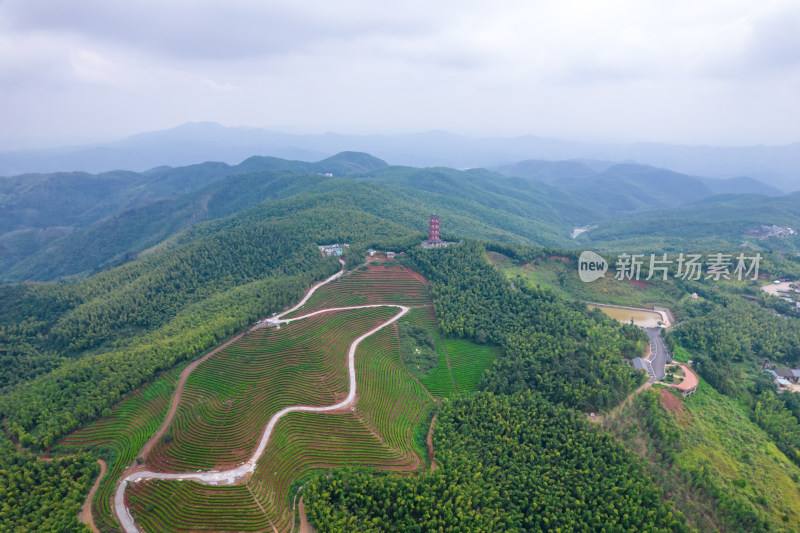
x: 240, y: 472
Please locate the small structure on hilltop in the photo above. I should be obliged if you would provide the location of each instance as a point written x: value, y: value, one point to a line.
x: 389, y: 255
x: 788, y: 374
x: 434, y: 237
x: 765, y: 364
x: 784, y: 377
x: 688, y: 385
x: 333, y: 249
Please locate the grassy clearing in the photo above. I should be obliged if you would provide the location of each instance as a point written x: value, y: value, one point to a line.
x: 740, y: 458
x: 469, y: 361
x: 680, y: 354
x: 721, y: 469
x: 438, y: 380
x: 563, y: 278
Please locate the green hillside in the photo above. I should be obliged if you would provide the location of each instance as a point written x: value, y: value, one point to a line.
x: 468, y: 211
x: 152, y: 270
x: 114, y: 218
x: 715, y: 223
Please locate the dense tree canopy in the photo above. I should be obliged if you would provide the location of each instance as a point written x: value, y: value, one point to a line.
x: 38, y: 495
x: 506, y: 463
x: 569, y: 354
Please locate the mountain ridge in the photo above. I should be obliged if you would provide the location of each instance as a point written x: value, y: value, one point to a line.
x: 116, y: 217
x: 192, y: 142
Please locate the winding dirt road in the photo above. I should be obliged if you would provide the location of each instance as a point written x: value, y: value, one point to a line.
x: 241, y: 472
x: 86, y: 512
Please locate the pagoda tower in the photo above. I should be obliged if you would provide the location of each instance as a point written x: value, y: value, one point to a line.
x: 433, y: 230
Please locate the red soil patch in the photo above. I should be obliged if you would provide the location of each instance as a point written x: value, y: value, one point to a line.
x: 398, y: 269
x: 11, y: 437
x: 637, y: 282
x: 672, y: 403
x: 430, y: 445
x: 86, y: 512
x: 305, y: 525
x: 560, y: 257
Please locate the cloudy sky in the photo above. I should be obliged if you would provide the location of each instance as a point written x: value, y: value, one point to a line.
x: 713, y: 71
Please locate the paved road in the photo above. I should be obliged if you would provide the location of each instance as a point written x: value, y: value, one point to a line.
x: 658, y: 353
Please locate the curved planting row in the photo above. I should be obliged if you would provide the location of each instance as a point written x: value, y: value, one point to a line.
x: 377, y: 433
x: 236, y: 391
x: 370, y: 285
x: 230, y: 397
x: 301, y: 441
x: 306, y: 441
x: 188, y: 506
x: 390, y: 401
x: 124, y: 432
x: 469, y: 361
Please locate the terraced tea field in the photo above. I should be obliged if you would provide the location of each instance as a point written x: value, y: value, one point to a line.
x: 231, y: 508
x: 124, y: 432
x: 271, y: 378
x: 322, y: 385
x: 376, y: 285
x: 228, y: 399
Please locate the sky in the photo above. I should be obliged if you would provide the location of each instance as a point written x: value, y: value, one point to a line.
x: 717, y: 72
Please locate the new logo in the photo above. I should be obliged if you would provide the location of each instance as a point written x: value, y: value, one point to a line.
x: 591, y: 266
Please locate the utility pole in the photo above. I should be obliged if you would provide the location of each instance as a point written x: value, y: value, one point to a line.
x: 782, y: 235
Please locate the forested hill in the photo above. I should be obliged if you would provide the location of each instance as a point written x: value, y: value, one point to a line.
x: 73, y: 351
x: 715, y: 223
x: 474, y: 203
x: 73, y: 225
x: 519, y: 455
x: 39, y: 210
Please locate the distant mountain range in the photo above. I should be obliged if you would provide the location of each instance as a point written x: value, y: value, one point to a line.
x: 777, y: 166
x: 63, y: 224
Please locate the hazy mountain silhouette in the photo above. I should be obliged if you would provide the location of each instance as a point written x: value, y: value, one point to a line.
x: 207, y: 141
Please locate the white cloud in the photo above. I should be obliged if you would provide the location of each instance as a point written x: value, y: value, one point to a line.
x: 625, y: 69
